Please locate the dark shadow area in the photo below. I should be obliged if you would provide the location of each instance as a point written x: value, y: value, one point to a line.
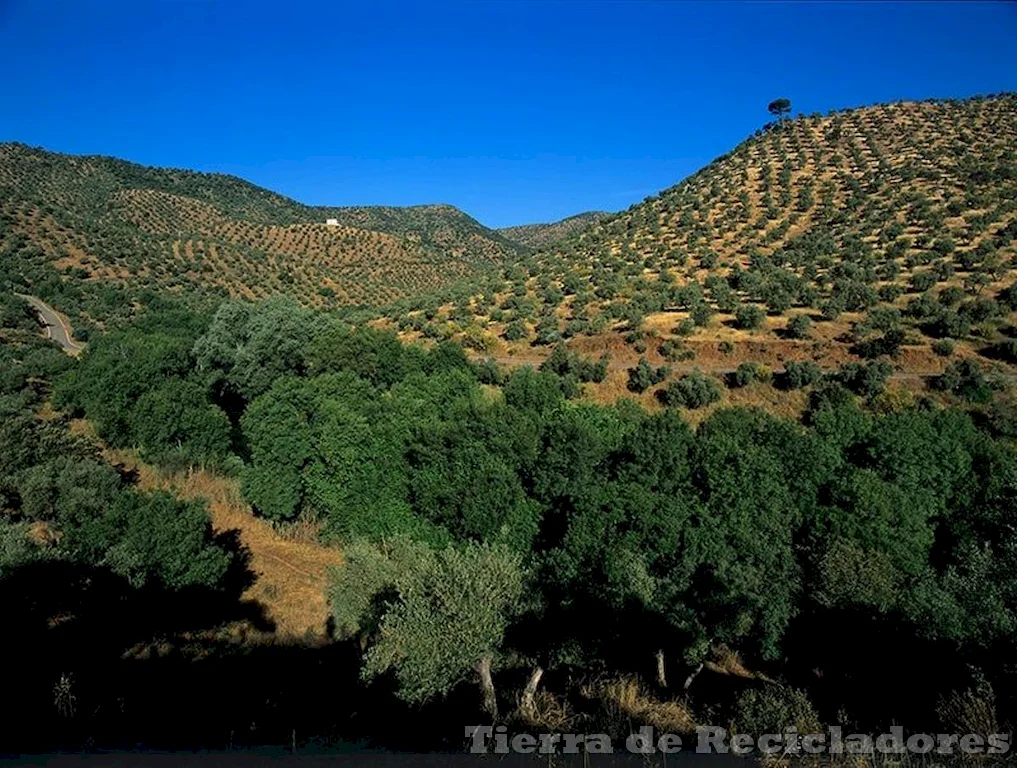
x: 871, y: 667
x: 99, y: 665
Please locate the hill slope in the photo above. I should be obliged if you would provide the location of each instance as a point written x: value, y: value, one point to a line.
x: 113, y: 222
x: 545, y: 235
x: 895, y: 206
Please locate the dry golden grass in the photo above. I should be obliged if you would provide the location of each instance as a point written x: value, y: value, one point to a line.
x: 725, y: 661
x: 552, y: 714
x: 625, y: 699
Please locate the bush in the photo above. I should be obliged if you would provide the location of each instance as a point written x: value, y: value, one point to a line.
x: 745, y: 374
x: 965, y: 379
x: 701, y: 314
x: 514, y: 331
x: 798, y: 327
x: 749, y: 317
x: 949, y: 324
x: 831, y: 310
x: 800, y: 374
x: 888, y: 344
x: 643, y: 375
x: 891, y: 292
x: 772, y: 709
x: 685, y: 327
x: 564, y: 363
x: 868, y: 380
x: 943, y: 347
x: 692, y: 391
x: 1008, y: 297
x: 674, y: 351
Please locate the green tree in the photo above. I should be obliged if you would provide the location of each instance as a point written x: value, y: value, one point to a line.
x: 444, y: 621
x: 749, y: 317
x: 779, y: 108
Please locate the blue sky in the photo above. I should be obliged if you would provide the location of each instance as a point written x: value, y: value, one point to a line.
x: 514, y: 111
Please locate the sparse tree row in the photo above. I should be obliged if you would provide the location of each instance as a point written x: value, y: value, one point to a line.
x: 507, y: 537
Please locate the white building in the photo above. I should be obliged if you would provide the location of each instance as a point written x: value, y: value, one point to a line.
x: 332, y: 222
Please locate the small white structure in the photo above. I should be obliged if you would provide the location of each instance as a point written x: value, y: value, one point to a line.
x: 332, y: 222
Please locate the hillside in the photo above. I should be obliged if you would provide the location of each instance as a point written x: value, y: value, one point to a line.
x: 888, y: 225
x: 545, y: 235
x: 110, y: 222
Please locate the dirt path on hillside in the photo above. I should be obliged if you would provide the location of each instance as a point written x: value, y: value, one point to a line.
x: 290, y: 569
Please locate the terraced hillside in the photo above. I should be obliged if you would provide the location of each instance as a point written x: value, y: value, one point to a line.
x: 545, y: 235
x: 110, y: 222
x: 827, y: 238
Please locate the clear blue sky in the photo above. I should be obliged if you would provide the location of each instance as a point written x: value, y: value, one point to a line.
x: 514, y: 111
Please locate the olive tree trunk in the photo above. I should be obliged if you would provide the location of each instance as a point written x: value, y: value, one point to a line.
x: 661, y: 674
x: 487, y: 687
x: 528, y: 703
x: 691, y: 677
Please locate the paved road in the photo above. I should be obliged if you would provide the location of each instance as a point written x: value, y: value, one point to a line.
x: 57, y: 328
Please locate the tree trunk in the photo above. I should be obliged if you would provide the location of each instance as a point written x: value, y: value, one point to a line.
x: 690, y: 678
x: 661, y: 675
x: 487, y: 687
x: 528, y: 704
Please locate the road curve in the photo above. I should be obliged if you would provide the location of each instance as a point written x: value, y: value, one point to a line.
x: 57, y: 328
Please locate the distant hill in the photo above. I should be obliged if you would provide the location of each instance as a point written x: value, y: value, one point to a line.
x: 544, y: 235
x: 114, y: 223
x: 896, y: 219
x: 908, y: 182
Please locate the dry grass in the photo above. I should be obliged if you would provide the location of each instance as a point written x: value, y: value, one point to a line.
x: 973, y: 711
x: 724, y: 661
x: 553, y: 714
x: 290, y: 568
x: 627, y: 703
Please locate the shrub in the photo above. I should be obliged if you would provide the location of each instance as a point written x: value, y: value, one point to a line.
x: 673, y: 351
x: 745, y: 374
x: 891, y: 292
x: 949, y: 324
x: 692, y: 391
x: 643, y: 375
x: 798, y: 327
x: 922, y: 281
x: 943, y: 347
x: 1008, y: 297
x: 514, y: 331
x: 800, y: 374
x: 749, y: 317
x: 771, y: 709
x: 868, y: 380
x: 701, y: 314
x: 831, y: 309
x: 887, y: 344
x: 965, y: 379
x: 685, y: 327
